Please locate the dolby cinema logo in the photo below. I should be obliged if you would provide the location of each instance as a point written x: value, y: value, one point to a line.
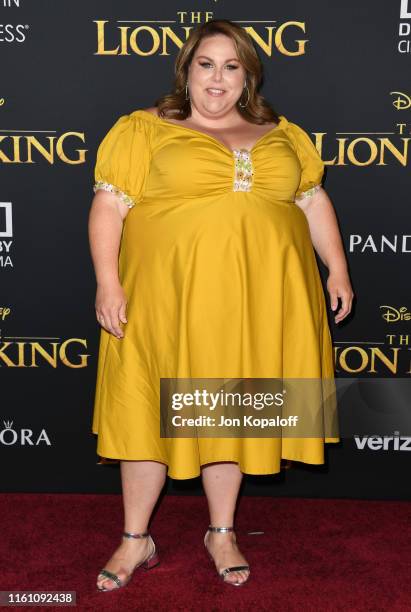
x: 6, y: 234
x: 12, y: 436
x: 405, y: 12
x: 404, y: 30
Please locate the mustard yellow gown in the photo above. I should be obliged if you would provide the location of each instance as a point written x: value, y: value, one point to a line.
x: 221, y: 279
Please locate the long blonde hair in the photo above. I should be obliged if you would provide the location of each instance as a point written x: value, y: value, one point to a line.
x: 257, y: 109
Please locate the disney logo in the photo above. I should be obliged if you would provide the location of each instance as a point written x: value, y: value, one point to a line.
x: 4, y: 312
x: 402, y: 102
x: 391, y: 315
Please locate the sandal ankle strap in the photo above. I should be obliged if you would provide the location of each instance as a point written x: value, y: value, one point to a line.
x: 127, y: 534
x: 220, y: 529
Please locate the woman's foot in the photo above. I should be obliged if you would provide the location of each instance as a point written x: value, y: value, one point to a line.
x: 130, y: 553
x: 225, y: 552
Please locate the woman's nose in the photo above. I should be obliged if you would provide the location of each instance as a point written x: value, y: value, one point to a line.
x: 218, y: 74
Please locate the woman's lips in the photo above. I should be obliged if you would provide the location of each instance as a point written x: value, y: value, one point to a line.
x: 214, y: 91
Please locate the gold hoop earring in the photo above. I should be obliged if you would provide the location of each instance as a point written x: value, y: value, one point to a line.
x: 248, y: 98
x: 187, y: 96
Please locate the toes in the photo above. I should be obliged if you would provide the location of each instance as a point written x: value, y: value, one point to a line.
x: 101, y: 584
x: 237, y: 576
x: 234, y: 577
x: 106, y: 583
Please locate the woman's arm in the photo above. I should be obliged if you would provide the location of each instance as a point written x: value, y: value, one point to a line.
x: 105, y: 226
x: 326, y: 239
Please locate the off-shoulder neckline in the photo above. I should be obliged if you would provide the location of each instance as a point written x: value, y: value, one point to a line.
x: 282, y: 121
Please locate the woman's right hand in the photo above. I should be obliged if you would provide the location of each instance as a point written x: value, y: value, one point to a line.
x: 111, y: 302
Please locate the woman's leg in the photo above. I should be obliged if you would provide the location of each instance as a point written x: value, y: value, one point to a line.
x: 221, y: 482
x: 142, y: 482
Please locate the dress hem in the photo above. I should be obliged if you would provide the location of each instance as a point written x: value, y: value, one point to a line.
x: 268, y: 472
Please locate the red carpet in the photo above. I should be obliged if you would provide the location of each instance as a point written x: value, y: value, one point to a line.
x: 321, y: 555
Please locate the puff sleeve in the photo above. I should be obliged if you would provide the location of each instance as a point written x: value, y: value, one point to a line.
x: 122, y: 160
x: 312, y: 166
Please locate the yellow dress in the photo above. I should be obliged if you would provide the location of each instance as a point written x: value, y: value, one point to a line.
x: 221, y: 279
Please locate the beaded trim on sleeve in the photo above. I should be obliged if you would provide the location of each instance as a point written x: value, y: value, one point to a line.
x: 243, y: 171
x: 113, y: 189
x: 307, y: 194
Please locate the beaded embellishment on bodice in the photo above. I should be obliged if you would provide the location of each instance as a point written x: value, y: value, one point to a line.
x: 243, y: 170
x: 128, y: 200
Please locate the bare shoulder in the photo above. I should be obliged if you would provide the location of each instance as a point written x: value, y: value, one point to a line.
x: 152, y: 110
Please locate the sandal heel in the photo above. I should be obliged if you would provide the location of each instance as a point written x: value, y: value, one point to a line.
x: 227, y: 570
x: 152, y: 562
x: 148, y: 563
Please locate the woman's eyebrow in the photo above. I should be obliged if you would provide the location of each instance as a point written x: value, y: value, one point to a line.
x: 232, y: 59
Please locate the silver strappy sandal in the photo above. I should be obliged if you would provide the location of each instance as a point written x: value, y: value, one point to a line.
x: 151, y: 561
x: 227, y: 570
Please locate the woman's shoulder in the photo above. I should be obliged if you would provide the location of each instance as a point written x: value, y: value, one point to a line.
x: 141, y: 119
x: 135, y: 126
x: 148, y: 115
x: 130, y: 131
x: 153, y: 110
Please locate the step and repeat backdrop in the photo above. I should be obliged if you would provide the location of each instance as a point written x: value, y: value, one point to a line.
x: 69, y: 69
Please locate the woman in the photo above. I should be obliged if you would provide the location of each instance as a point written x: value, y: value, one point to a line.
x: 202, y: 229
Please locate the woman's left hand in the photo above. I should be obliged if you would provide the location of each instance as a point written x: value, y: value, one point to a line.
x: 339, y: 286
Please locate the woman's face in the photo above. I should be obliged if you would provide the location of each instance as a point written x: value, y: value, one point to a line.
x: 215, y: 77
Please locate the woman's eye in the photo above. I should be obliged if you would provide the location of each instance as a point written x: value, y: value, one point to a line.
x: 229, y: 66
